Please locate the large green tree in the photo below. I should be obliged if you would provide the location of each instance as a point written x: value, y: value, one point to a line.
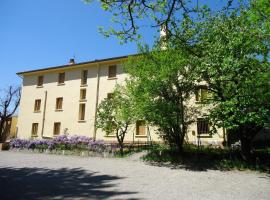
x: 232, y: 56
x: 162, y: 83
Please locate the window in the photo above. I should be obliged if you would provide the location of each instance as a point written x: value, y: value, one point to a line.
x: 82, y: 111
x: 201, y: 93
x: 140, y: 127
x: 109, y: 95
x: 59, y: 103
x: 37, y: 105
x: 40, y: 81
x: 34, y: 129
x: 83, y: 94
x: 84, y: 77
x: 61, y: 78
x: 56, y: 128
x: 112, y: 71
x: 113, y: 127
x: 202, y: 126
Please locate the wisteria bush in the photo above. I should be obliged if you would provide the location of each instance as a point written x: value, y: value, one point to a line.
x: 63, y: 142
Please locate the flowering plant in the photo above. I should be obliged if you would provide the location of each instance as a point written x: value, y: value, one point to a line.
x: 62, y: 142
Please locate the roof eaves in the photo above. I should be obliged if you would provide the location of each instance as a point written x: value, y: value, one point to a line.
x: 77, y: 64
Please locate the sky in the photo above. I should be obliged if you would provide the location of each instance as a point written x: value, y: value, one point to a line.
x: 43, y: 33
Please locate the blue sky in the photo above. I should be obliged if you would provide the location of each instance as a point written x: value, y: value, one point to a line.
x: 36, y: 34
x: 41, y: 33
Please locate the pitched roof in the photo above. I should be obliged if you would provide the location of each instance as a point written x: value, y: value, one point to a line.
x: 76, y: 64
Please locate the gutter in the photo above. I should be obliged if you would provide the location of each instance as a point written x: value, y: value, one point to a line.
x: 97, y: 99
x: 44, y: 114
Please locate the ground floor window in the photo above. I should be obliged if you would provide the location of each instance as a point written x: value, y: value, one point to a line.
x: 202, y: 126
x: 34, y: 129
x: 140, y: 127
x: 56, y: 128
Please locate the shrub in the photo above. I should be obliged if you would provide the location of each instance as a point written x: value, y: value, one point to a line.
x: 62, y: 142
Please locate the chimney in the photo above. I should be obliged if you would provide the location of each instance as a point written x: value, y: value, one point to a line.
x: 71, y: 61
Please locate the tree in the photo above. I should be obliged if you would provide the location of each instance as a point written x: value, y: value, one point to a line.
x: 131, y: 15
x: 9, y: 103
x: 233, y: 58
x: 161, y: 83
x: 115, y: 115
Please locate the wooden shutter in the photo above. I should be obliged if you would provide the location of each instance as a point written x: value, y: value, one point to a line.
x: 82, y: 111
x: 112, y: 71
x: 34, y: 129
x: 83, y: 94
x: 84, y: 77
x: 140, y: 128
x: 40, y: 81
x: 37, y: 105
x: 61, y: 78
x: 56, y: 128
x: 59, y: 103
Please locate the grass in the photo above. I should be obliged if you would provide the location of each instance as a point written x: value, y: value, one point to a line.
x: 204, y: 158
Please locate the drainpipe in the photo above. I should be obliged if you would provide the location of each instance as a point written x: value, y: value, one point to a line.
x: 44, y: 114
x: 97, y: 98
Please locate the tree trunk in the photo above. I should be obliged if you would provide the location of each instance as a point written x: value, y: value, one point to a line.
x: 121, y: 149
x: 2, y: 131
x: 246, y: 149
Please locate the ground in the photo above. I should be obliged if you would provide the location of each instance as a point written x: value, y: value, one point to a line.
x: 41, y: 176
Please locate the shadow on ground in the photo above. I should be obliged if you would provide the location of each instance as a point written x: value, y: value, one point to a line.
x: 39, y: 183
x: 208, y: 159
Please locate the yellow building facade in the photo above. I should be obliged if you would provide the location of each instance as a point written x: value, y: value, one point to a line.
x: 64, y: 99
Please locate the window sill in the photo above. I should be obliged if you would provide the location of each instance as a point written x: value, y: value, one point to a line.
x: 81, y: 121
x: 111, y: 78
x: 84, y: 85
x: 55, y: 135
x: 39, y: 86
x: 37, y: 111
x: 141, y: 136
x: 59, y: 110
x: 34, y: 136
x: 110, y: 136
x: 83, y: 100
x: 204, y: 135
x: 201, y: 102
x: 47, y: 137
x: 60, y: 84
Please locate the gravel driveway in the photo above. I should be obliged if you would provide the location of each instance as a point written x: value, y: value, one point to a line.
x: 41, y: 176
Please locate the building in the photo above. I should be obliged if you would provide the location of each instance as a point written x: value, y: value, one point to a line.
x: 64, y: 99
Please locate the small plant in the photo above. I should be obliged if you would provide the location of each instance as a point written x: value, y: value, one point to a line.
x: 63, y: 142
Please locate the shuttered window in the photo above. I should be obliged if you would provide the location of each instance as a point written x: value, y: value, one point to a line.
x: 202, y: 126
x: 37, y: 105
x: 40, y: 81
x: 56, y: 128
x: 59, y: 103
x: 201, y: 93
x: 82, y: 112
x: 140, y: 127
x: 84, y: 77
x: 34, y: 129
x: 112, y: 71
x: 61, y: 78
x: 83, y: 94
